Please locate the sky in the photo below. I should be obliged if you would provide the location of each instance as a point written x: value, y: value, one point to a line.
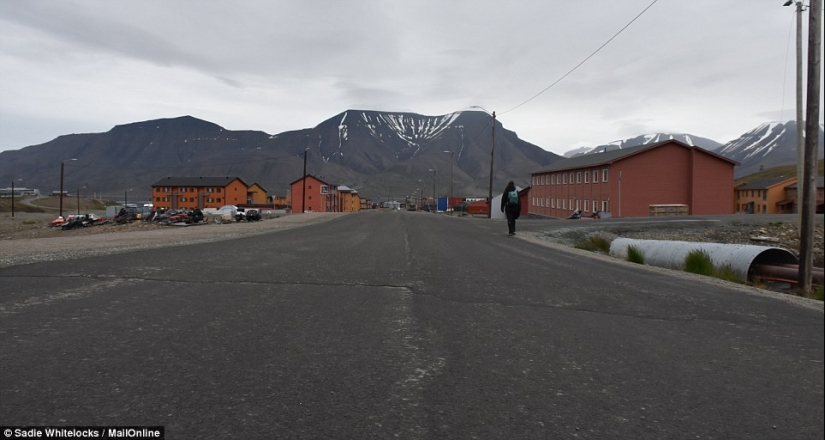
x: 561, y: 75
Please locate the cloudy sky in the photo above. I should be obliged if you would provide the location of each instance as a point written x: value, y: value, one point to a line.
x: 711, y: 68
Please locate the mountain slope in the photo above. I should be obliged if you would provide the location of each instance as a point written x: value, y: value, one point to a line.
x: 767, y: 146
x: 378, y: 153
x: 645, y: 139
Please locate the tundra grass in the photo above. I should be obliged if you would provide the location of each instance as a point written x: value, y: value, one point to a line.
x: 635, y: 255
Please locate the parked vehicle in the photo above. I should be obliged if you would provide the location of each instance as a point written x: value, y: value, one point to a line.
x: 126, y: 215
x: 82, y: 221
x: 253, y: 215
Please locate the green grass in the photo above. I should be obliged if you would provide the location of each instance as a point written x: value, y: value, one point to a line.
x: 634, y: 255
x: 699, y: 262
x: 727, y: 273
x: 594, y: 243
x: 819, y: 293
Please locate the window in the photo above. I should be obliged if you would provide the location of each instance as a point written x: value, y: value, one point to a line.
x: 604, y: 206
x: 595, y: 176
x: 595, y: 205
x: 552, y: 203
x: 548, y: 202
x: 565, y: 204
x: 604, y: 175
x: 565, y: 179
x: 578, y: 204
x: 586, y: 177
x: 579, y: 177
x: 571, y: 177
x: 534, y: 180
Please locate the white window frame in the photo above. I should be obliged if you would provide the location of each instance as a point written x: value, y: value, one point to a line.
x: 595, y: 176
x: 604, y: 175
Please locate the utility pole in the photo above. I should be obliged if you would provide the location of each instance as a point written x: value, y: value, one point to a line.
x: 492, y: 156
x: 61, y: 189
x: 452, y: 159
x: 806, y: 241
x: 800, y: 133
x: 304, y: 192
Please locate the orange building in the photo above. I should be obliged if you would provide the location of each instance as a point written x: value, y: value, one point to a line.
x: 766, y: 196
x: 626, y: 182
x: 320, y: 196
x: 198, y: 192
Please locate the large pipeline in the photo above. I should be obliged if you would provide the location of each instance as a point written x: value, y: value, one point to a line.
x: 747, y: 261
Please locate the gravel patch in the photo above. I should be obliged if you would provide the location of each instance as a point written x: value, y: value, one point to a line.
x: 28, y: 239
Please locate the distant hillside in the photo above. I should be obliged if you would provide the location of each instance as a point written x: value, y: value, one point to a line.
x: 646, y: 139
x: 380, y: 154
x: 780, y: 171
x: 767, y: 146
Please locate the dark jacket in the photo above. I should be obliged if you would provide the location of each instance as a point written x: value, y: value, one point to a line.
x: 505, y: 201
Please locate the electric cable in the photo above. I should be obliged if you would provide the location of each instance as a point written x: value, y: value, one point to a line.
x: 585, y: 60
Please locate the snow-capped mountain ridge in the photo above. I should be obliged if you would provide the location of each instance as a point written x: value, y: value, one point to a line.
x: 769, y: 145
x: 645, y: 139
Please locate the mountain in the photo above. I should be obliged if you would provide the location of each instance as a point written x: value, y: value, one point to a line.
x: 380, y: 154
x: 645, y: 139
x: 767, y: 146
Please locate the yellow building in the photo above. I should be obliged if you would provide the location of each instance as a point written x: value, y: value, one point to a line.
x: 765, y: 196
x: 256, y: 195
x: 348, y: 199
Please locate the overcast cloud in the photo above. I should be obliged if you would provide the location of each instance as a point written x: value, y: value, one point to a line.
x: 711, y: 68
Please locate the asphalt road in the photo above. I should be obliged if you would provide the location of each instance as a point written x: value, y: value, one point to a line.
x: 401, y: 325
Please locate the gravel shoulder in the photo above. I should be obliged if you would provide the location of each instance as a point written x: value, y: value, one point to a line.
x: 28, y: 238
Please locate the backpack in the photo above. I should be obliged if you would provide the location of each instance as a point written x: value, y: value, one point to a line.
x: 512, y: 198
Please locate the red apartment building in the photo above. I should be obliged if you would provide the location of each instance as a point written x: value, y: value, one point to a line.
x: 628, y: 181
x: 320, y: 196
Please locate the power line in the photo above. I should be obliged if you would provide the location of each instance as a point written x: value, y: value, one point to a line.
x: 585, y: 60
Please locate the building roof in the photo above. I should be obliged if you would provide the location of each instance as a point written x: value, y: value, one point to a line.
x: 309, y: 175
x: 820, y: 183
x: 765, y: 183
x: 197, y: 181
x: 609, y: 157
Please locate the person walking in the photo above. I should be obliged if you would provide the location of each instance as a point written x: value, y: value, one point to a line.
x: 511, y: 206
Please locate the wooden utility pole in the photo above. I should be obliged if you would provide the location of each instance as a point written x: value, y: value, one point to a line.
x: 304, y: 192
x: 806, y: 241
x: 492, y: 156
x: 800, y: 122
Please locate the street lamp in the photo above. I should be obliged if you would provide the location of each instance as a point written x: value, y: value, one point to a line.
x: 492, y: 155
x: 452, y: 157
x: 434, y: 199
x: 62, y: 165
